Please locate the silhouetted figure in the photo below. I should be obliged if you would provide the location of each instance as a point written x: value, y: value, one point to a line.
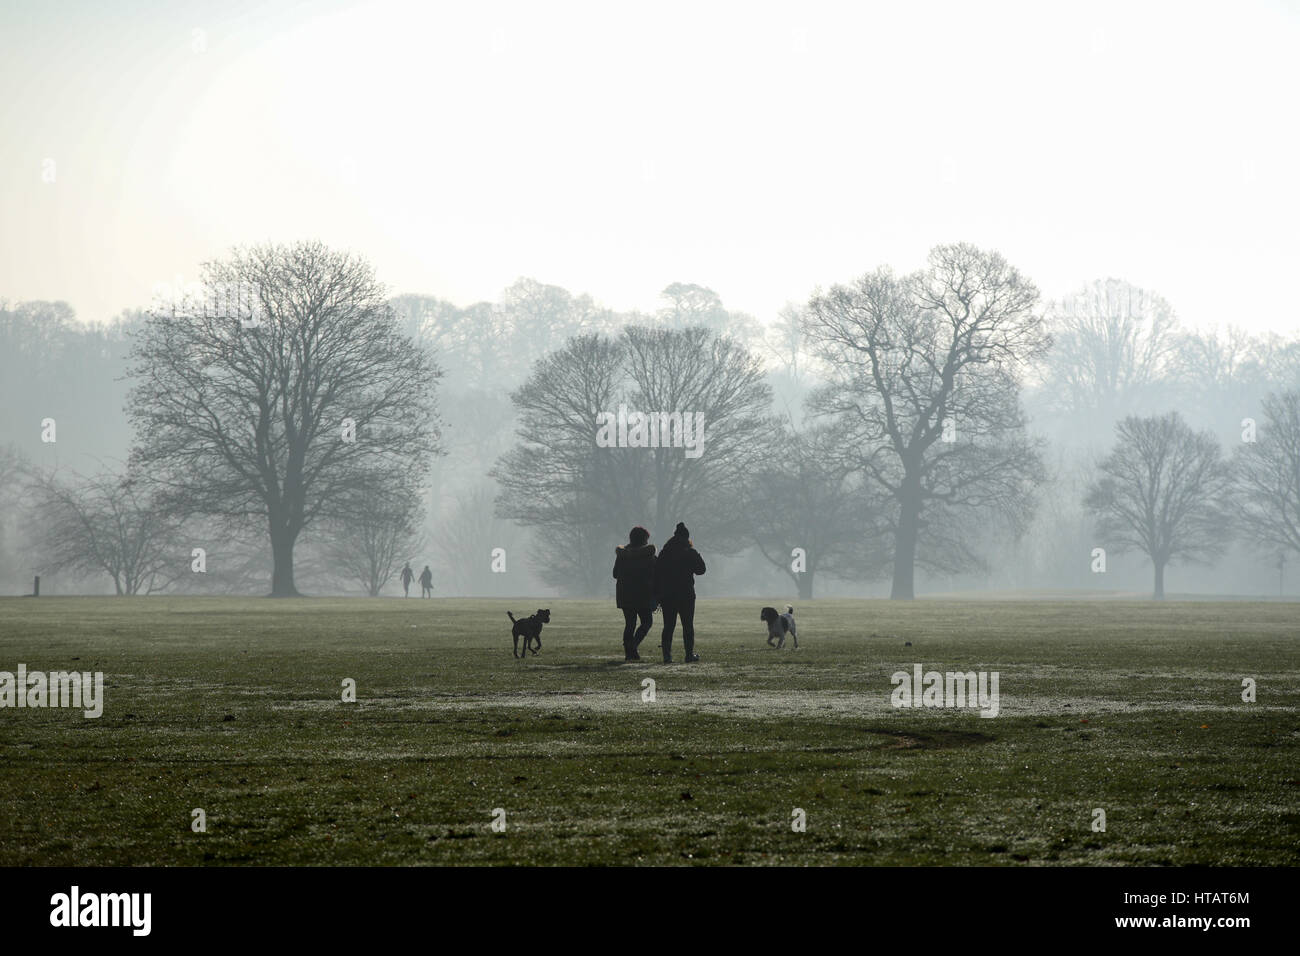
x: 407, y: 577
x: 634, y: 569
x: 426, y: 582
x: 674, y: 583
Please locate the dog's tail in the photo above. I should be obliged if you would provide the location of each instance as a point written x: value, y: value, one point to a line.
x: 511, y: 616
x: 789, y: 609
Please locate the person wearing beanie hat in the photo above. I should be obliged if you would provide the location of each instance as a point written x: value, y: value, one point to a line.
x: 674, y: 580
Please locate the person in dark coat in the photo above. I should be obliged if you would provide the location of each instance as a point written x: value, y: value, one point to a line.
x: 634, y: 567
x: 674, y: 580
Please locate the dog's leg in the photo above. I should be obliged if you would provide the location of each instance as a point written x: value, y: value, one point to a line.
x: 515, y: 652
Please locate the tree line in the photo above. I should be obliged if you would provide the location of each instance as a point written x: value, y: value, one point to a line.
x: 891, y: 423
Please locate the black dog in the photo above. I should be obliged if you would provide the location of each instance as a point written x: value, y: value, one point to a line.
x: 530, y: 629
x: 779, y: 625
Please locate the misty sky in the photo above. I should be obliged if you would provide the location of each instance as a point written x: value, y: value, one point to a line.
x: 761, y: 149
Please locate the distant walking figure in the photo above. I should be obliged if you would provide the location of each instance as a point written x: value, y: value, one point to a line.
x: 407, y: 577
x: 634, y: 568
x: 426, y: 582
x: 674, y: 582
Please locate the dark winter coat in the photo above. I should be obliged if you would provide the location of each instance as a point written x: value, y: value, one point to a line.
x: 675, y: 571
x: 634, y: 569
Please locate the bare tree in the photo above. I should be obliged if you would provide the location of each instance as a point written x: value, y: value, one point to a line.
x: 924, y: 390
x: 556, y: 479
x: 464, y: 540
x: 1111, y: 342
x: 561, y: 481
x: 377, y: 531
x: 106, y: 524
x: 12, y: 469
x: 1161, y: 491
x: 237, y: 559
x: 1062, y: 529
x: 785, y: 340
x: 1268, y: 477
x: 279, y: 397
x: 803, y: 496
x: 14, y: 504
x: 1219, y: 376
x: 687, y: 305
x: 1218, y: 359
x: 543, y: 317
x: 721, y: 382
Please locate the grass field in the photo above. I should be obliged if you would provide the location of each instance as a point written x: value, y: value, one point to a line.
x: 234, y: 706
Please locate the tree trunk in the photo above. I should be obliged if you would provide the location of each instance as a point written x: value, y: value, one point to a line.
x: 905, y: 548
x: 282, y: 543
x: 1160, y: 581
x: 804, y: 582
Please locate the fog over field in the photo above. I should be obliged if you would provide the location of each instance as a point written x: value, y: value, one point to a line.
x: 592, y: 434
x: 878, y: 300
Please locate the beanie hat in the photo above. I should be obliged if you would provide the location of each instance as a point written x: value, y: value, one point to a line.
x: 681, y: 531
